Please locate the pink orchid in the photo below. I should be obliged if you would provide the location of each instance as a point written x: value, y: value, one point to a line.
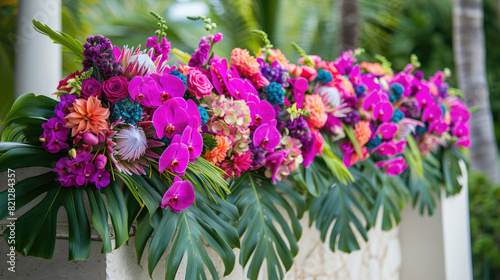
x: 179, y: 196
x: 371, y: 82
x: 243, y: 89
x: 355, y: 76
x: 262, y: 112
x: 192, y: 138
x: 350, y: 155
x: 299, y: 86
x: 461, y: 130
x: 274, y: 160
x: 387, y: 130
x: 267, y: 136
x: 373, y: 99
x: 172, y: 117
x: 424, y: 98
x: 175, y: 157
x: 438, y: 127
x: 383, y: 111
x: 392, y: 166
x: 166, y: 87
x: 459, y: 113
x: 390, y: 148
x: 316, y: 147
x: 221, y: 75
x: 431, y: 113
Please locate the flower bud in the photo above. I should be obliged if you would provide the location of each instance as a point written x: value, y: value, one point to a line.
x: 72, y: 153
x: 100, y: 161
x: 90, y: 139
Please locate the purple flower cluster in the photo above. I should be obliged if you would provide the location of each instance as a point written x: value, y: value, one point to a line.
x: 54, y: 135
x: 351, y: 118
x: 299, y: 129
x: 98, y: 54
x: 80, y: 171
x: 344, y: 62
x: 258, y: 156
x: 61, y: 109
x: 201, y: 55
x: 274, y: 72
x: 162, y: 48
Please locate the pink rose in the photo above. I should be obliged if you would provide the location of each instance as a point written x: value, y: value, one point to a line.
x: 115, y: 88
x: 198, y: 83
x: 91, y: 87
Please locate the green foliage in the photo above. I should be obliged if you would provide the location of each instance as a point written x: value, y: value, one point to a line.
x: 262, y: 222
x: 484, y: 198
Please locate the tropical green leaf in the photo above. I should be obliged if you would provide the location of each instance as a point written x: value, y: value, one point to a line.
x: 23, y: 129
x: 17, y: 155
x: 117, y: 211
x: 341, y: 207
x: 36, y: 229
x: 413, y: 157
x: 259, y: 221
x: 183, y: 231
x: 337, y: 167
x: 99, y: 217
x: 451, y: 170
x: 31, y: 105
x: 69, y: 43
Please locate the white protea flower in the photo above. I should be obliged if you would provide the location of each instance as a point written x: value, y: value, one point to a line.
x: 331, y: 95
x: 139, y: 65
x: 130, y: 148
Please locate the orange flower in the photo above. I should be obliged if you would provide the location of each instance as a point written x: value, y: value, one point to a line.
x: 246, y: 64
x: 87, y: 115
x: 374, y: 68
x: 273, y: 55
x: 362, y: 132
x: 314, y: 104
x: 219, y: 153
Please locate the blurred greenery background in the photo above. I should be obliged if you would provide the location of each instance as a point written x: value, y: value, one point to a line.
x: 393, y: 28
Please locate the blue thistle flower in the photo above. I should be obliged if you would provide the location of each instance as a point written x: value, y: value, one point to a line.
x: 419, y: 130
x: 178, y: 74
x: 372, y: 144
x: 203, y: 115
x: 397, y: 89
x: 324, y: 76
x: 275, y: 93
x: 398, y: 115
x: 128, y: 111
x: 360, y: 90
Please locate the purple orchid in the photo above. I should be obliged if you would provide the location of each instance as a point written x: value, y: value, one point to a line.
x: 459, y: 114
x: 192, y: 138
x: 344, y: 62
x: 371, y: 82
x: 86, y: 174
x: 221, y: 75
x: 299, y: 86
x: 267, y: 136
x: 179, y: 196
x: 355, y: 76
x: 387, y: 130
x: 175, y: 157
x: 54, y: 135
x: 383, y: 111
x: 393, y: 166
x: 389, y: 148
x: 101, y: 178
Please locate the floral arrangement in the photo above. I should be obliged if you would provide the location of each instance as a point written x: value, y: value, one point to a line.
x: 202, y: 148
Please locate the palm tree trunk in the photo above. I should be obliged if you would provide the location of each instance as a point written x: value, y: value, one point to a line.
x: 469, y: 53
x: 349, y: 24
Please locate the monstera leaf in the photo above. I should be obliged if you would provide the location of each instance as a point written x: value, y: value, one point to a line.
x: 184, y: 233
x: 263, y: 216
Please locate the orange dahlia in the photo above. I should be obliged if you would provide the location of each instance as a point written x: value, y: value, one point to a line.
x: 219, y: 153
x: 87, y: 115
x: 273, y: 55
x: 314, y: 104
x: 362, y: 132
x: 246, y: 64
x: 374, y: 68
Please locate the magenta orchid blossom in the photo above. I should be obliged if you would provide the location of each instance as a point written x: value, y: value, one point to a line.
x: 172, y: 117
x: 179, y: 196
x: 262, y: 112
x: 393, y: 166
x: 383, y: 111
x: 155, y: 90
x: 267, y: 136
x: 192, y: 138
x: 175, y: 157
x: 299, y: 87
x: 387, y: 130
